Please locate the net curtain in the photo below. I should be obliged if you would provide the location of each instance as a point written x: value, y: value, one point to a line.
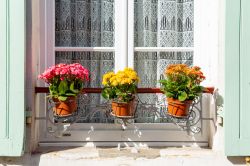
x: 158, y: 23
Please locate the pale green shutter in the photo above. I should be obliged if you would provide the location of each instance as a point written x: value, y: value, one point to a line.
x: 237, y: 82
x: 12, y: 70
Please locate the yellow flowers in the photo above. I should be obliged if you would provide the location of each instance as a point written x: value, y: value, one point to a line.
x: 107, y: 77
x: 127, y: 76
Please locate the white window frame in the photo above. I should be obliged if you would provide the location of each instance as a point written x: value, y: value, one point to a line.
x: 124, y: 56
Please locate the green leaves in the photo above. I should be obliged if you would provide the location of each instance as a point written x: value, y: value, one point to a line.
x: 72, y: 88
x: 53, y: 90
x: 183, y: 88
x: 63, y: 89
x: 62, y: 98
x: 169, y: 94
x: 108, y: 93
x: 182, y: 96
x: 122, y: 93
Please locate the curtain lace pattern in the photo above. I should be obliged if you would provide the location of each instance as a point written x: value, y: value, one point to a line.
x: 86, y: 23
x: 161, y: 23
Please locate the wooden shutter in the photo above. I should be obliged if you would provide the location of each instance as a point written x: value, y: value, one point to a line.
x: 237, y: 82
x: 12, y: 70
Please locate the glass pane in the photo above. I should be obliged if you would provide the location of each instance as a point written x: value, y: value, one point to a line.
x: 164, y: 23
x: 84, y: 23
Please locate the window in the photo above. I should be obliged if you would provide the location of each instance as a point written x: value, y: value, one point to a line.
x: 106, y: 35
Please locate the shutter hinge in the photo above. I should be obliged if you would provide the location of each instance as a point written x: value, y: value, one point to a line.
x: 219, y: 107
x: 28, y: 115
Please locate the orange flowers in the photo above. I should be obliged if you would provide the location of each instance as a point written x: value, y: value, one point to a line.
x: 182, y: 82
x: 175, y: 71
x: 196, y: 75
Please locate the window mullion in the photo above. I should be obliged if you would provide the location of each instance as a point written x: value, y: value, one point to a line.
x: 49, y: 32
x: 86, y: 49
x: 164, y: 49
x: 130, y: 19
x: 121, y: 34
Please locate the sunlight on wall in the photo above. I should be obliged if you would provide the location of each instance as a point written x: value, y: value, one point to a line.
x: 207, y: 40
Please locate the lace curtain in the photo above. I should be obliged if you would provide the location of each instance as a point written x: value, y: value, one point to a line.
x: 86, y: 23
x: 161, y: 23
x: 158, y: 23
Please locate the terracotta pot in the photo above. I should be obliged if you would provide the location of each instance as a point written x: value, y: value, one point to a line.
x: 177, y: 108
x: 123, y: 109
x: 65, y: 108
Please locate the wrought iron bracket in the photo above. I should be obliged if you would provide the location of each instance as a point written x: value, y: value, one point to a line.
x: 156, y: 113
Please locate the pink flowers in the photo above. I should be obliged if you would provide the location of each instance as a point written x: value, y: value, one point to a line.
x: 65, y: 80
x: 71, y: 72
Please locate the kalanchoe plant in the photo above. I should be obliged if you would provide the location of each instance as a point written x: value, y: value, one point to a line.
x: 182, y: 82
x: 121, y: 86
x: 65, y: 80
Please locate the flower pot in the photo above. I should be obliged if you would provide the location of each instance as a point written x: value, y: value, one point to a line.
x: 123, y: 109
x: 65, y: 108
x: 177, y: 108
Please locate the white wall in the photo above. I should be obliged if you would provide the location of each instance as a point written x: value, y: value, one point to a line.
x: 206, y: 39
x: 209, y: 55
